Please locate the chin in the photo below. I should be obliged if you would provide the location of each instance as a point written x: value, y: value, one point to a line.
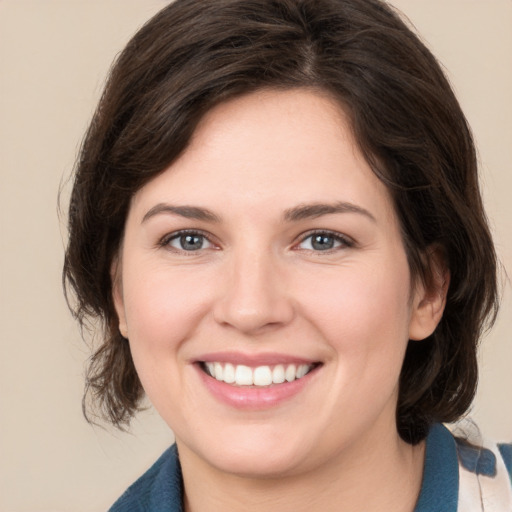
x: 254, y: 454
x: 259, y: 465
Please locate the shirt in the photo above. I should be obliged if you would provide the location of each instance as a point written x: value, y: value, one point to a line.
x: 462, y: 473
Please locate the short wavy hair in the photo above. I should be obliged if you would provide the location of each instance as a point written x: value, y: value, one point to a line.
x: 193, y: 55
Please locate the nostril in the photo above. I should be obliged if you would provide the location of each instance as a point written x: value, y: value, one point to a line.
x: 254, y: 313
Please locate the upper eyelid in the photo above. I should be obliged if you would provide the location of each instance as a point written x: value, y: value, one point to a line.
x: 174, y: 234
x: 335, y: 234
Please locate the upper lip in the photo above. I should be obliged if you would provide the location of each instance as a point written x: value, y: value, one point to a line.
x: 253, y: 360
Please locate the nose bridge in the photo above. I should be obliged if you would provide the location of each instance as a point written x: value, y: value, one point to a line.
x: 255, y: 293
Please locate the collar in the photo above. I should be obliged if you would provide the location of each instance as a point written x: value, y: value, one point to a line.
x: 440, y: 487
x: 161, y: 488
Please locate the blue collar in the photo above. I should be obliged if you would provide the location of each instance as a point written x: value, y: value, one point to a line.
x: 440, y: 488
x: 159, y: 489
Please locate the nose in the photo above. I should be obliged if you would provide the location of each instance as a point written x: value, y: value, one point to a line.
x: 254, y: 296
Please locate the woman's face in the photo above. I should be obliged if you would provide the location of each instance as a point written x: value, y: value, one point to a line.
x: 269, y: 250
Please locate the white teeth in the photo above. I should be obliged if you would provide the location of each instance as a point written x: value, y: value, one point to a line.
x: 242, y: 375
x: 211, y: 369
x: 278, y: 374
x: 290, y: 372
x: 262, y: 376
x: 301, y: 371
x: 229, y: 373
x: 219, y: 371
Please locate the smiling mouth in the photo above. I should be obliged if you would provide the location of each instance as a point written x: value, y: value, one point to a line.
x: 260, y: 376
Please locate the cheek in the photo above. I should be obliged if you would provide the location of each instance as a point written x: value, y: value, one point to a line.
x: 163, y: 307
x: 363, y: 310
x: 163, y: 311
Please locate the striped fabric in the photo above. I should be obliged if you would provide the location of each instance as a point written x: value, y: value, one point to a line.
x: 485, y: 472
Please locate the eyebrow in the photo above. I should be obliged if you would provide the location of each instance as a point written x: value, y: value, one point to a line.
x: 188, y: 212
x: 312, y: 211
x: 301, y: 212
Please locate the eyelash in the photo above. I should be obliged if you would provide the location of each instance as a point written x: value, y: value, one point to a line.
x: 344, y: 241
x: 167, y: 239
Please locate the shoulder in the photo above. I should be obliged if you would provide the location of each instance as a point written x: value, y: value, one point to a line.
x: 464, y: 472
x: 159, y: 488
x: 485, y: 470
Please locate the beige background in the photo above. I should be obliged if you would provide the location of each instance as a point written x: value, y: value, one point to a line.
x: 54, y: 55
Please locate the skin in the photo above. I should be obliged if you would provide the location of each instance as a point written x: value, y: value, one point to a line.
x: 258, y: 286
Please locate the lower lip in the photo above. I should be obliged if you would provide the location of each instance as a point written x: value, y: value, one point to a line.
x: 255, y: 398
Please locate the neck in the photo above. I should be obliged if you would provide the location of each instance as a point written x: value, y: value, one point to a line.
x: 383, y: 475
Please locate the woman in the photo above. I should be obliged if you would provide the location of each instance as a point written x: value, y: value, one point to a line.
x: 276, y: 215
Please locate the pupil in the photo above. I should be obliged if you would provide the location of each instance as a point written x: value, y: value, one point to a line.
x: 191, y: 242
x: 322, y: 242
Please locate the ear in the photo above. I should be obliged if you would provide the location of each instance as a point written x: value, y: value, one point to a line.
x: 429, y: 299
x: 117, y: 295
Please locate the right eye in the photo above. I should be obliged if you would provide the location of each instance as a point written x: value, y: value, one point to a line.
x: 188, y: 241
x: 324, y: 241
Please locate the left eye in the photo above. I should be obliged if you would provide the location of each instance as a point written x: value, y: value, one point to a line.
x: 189, y: 242
x: 322, y: 242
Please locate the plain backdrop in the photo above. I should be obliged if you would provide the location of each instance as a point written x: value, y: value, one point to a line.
x: 54, y: 56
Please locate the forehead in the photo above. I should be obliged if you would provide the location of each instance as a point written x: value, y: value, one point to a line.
x: 271, y: 149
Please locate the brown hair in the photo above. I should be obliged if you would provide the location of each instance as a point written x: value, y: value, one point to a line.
x: 193, y: 55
